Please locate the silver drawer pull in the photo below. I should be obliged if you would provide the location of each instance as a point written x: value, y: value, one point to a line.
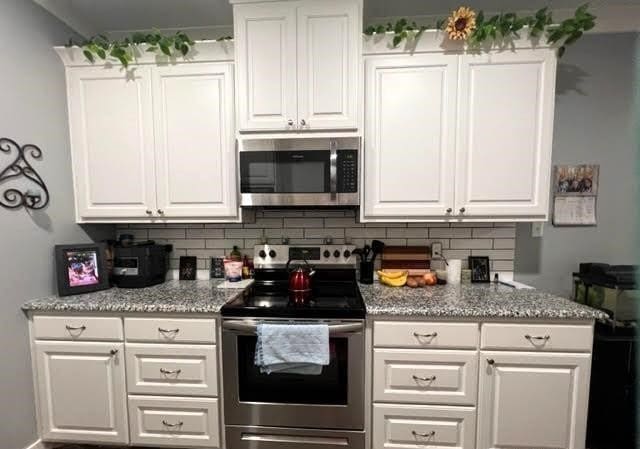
x: 168, y: 331
x: 544, y: 338
x: 424, y: 435
x: 178, y: 424
x: 419, y: 335
x: 78, y: 328
x: 170, y: 371
x: 424, y: 379
x: 113, y: 352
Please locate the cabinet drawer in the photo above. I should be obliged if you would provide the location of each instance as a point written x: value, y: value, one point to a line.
x: 537, y: 337
x: 77, y: 328
x: 420, y: 426
x: 179, y: 422
x: 425, y: 377
x: 162, y: 330
x: 420, y: 334
x: 186, y: 370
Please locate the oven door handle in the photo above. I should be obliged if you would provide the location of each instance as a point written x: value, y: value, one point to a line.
x: 252, y: 326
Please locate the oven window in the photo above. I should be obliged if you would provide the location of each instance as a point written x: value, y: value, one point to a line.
x: 284, y: 172
x: 330, y: 387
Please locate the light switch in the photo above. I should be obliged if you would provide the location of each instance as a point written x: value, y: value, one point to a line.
x: 537, y: 229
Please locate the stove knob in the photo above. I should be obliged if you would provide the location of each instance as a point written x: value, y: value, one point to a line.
x: 336, y: 253
x: 272, y: 254
x: 347, y: 254
x: 262, y: 254
x: 326, y: 254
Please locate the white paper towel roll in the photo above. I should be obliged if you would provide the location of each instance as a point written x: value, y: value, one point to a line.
x: 453, y: 271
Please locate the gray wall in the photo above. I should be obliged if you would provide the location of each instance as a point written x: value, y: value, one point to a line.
x: 32, y: 110
x: 594, y: 123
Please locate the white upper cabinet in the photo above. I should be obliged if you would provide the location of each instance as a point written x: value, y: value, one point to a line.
x: 195, y: 144
x: 111, y: 123
x: 265, y: 36
x: 458, y: 136
x: 156, y: 142
x: 410, y: 136
x: 298, y: 64
x: 505, y: 131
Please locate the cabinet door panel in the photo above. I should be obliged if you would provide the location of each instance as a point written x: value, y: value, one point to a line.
x: 533, y: 400
x: 505, y: 131
x: 409, y: 142
x: 111, y: 126
x: 266, y: 64
x: 81, y: 389
x: 328, y: 53
x: 195, y: 149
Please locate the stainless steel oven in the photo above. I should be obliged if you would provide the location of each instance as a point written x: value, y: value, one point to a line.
x: 291, y: 408
x: 299, y: 177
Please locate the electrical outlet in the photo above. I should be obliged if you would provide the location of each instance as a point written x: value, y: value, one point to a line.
x: 436, y: 250
x: 537, y: 229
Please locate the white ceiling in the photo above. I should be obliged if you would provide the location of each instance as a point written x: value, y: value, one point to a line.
x: 97, y: 16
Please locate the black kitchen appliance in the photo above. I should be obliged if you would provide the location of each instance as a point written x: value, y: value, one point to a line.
x: 140, y: 265
x: 293, y: 410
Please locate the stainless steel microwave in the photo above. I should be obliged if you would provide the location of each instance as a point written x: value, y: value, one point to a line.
x: 299, y: 177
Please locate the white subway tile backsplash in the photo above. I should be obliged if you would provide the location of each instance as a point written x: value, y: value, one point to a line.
x: 312, y: 226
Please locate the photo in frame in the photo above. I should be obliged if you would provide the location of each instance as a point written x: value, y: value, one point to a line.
x: 479, y: 266
x: 188, y: 268
x: 81, y: 268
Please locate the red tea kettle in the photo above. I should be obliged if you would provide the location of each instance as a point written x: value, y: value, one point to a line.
x: 300, y: 282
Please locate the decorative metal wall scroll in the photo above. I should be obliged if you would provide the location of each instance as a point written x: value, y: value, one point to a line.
x: 20, y: 170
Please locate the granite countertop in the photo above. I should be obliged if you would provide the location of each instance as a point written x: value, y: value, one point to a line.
x: 171, y: 297
x: 472, y: 301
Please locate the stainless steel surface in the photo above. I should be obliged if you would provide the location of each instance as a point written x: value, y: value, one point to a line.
x: 256, y: 437
x: 545, y: 338
x: 299, y: 199
x: 424, y: 379
x: 76, y: 328
x: 250, y: 326
x: 419, y: 335
x: 262, y: 257
x: 168, y: 331
x: 170, y: 371
x: 318, y: 416
x: 333, y: 172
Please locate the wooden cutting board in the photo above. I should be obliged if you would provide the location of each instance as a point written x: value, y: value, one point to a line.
x: 415, y: 259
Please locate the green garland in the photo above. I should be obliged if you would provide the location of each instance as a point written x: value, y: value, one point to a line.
x: 100, y: 47
x: 501, y: 27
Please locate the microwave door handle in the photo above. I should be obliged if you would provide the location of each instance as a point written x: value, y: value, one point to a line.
x: 333, y: 172
x: 252, y: 326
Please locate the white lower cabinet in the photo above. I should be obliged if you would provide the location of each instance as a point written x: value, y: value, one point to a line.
x: 533, y: 400
x: 81, y: 391
x: 177, y: 422
x: 421, y: 426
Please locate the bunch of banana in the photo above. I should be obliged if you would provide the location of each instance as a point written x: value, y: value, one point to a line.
x: 393, y: 279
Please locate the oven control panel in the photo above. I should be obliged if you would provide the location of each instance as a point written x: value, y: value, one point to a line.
x: 314, y: 254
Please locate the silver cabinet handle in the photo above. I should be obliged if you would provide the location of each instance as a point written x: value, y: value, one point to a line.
x: 543, y: 338
x: 491, y: 361
x: 425, y: 435
x: 449, y: 210
x: 290, y: 122
x: 424, y: 379
x: 178, y: 424
x: 419, y: 335
x: 303, y: 122
x: 148, y: 212
x: 113, y: 352
x: 168, y: 331
x: 160, y: 211
x: 78, y: 328
x: 170, y: 371
x: 462, y: 210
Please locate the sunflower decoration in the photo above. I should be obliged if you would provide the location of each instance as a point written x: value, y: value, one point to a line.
x: 461, y: 23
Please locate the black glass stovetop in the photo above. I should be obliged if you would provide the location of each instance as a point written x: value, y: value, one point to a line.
x: 335, y: 295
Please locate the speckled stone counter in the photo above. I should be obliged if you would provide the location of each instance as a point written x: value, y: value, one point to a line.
x: 472, y: 301
x: 170, y: 297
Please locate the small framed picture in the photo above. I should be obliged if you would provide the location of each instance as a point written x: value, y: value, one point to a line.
x: 81, y: 268
x: 479, y: 267
x: 188, y: 268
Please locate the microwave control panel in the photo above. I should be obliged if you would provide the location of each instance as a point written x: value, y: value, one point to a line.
x: 347, y: 171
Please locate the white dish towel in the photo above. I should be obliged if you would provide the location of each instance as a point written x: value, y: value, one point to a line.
x: 292, y: 348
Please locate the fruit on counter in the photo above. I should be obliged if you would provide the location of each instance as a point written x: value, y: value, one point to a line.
x: 412, y: 282
x: 394, y: 279
x: 430, y: 278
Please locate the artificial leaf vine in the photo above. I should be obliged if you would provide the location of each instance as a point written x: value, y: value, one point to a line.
x: 100, y: 47
x: 474, y: 28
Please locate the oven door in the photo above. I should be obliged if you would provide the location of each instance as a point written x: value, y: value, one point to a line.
x: 294, y: 178
x: 333, y: 399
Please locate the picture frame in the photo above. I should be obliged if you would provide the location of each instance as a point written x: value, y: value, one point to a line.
x: 81, y: 268
x: 188, y: 268
x: 480, y: 269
